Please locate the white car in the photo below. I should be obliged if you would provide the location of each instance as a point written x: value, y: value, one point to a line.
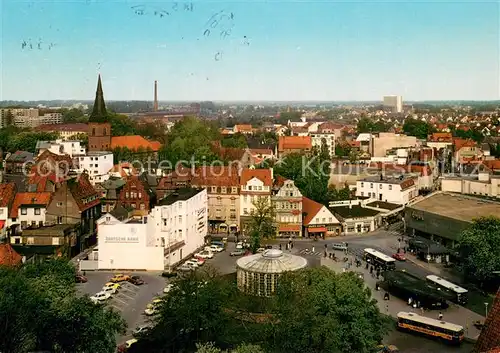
x: 168, y: 288
x: 191, y: 263
x: 214, y: 248
x: 151, y: 311
x: 100, y: 297
x: 239, y: 245
x: 205, y: 254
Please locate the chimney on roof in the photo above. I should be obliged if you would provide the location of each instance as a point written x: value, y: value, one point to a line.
x: 155, y: 104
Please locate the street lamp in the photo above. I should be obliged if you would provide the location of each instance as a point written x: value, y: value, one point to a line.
x: 486, y: 306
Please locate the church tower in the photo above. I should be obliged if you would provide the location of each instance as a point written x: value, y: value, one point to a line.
x: 99, y: 127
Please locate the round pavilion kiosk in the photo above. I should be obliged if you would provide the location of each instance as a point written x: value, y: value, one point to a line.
x: 258, y: 274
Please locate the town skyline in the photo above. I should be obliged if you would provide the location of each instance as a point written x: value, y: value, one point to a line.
x: 340, y: 51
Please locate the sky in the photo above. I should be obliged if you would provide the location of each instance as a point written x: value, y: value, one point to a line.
x: 250, y: 50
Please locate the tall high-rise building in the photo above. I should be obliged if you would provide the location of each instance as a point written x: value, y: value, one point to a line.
x: 99, y: 127
x: 395, y: 103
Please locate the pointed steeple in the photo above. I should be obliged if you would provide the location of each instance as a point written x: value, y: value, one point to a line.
x: 99, y: 113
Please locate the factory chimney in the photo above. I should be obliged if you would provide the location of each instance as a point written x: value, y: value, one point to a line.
x: 155, y: 106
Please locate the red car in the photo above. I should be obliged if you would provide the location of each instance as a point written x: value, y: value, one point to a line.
x: 399, y: 256
x: 200, y: 260
x: 80, y: 279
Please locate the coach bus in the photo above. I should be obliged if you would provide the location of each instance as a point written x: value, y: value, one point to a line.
x: 459, y: 293
x: 426, y: 326
x: 378, y: 259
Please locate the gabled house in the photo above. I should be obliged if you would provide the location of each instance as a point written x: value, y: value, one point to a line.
x: 76, y: 202
x: 180, y: 178
x: 137, y: 195
x: 110, y: 193
x: 287, y: 202
x: 18, y: 162
x: 254, y: 184
x: 294, y: 144
x: 7, y: 196
x: 466, y: 151
x: 318, y: 220
x: 29, y: 209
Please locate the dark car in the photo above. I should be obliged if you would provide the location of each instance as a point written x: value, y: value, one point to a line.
x: 80, y: 279
x: 136, y: 280
x: 169, y: 274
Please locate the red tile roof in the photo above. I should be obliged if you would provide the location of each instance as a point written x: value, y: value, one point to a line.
x: 7, y: 194
x: 216, y: 176
x: 459, y: 143
x: 121, y: 167
x: 280, y: 181
x: 8, y: 256
x: 441, y: 137
x: 294, y: 143
x: 82, y: 190
x: 261, y: 151
x: 134, y: 142
x: 29, y: 198
x: 263, y: 175
x: 65, y: 127
x: 243, y: 127
x: 489, y: 339
x: 311, y: 209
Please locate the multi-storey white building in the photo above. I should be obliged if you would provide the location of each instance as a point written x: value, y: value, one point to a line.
x: 397, y: 190
x: 97, y: 164
x: 51, y: 118
x: 287, y: 202
x: 181, y: 223
x: 395, y: 103
x: 481, y: 184
x: 173, y: 231
x: 72, y: 148
x: 254, y: 184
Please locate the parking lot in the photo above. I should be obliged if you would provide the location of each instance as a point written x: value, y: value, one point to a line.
x: 130, y: 300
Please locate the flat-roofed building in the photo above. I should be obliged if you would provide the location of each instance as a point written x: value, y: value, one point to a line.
x: 443, y: 216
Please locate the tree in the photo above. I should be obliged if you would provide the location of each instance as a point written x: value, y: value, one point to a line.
x: 9, y: 118
x: 237, y: 140
x: 50, y: 316
x: 320, y: 311
x: 121, y: 125
x: 478, y: 248
x: 418, y: 128
x: 194, y: 311
x: 262, y: 222
x: 367, y: 125
x: 73, y: 115
x: 243, y: 348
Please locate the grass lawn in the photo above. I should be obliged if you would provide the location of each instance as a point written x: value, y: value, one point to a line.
x: 476, y: 302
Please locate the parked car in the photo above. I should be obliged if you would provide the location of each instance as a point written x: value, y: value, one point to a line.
x: 191, y: 263
x: 168, y: 288
x: 239, y: 245
x: 136, y: 280
x: 141, y: 329
x: 111, y: 289
x: 100, y: 297
x: 119, y: 278
x: 205, y: 254
x: 114, y: 285
x: 185, y: 268
x: 169, y: 274
x: 399, y: 256
x: 214, y: 248
x: 259, y: 250
x: 152, y: 308
x: 80, y: 279
x: 237, y: 252
x: 387, y: 349
x: 199, y: 260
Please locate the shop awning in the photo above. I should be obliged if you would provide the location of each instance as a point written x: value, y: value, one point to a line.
x: 317, y: 230
x: 290, y: 228
x: 2, y: 224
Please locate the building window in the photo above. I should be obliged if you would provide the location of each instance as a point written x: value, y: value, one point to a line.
x: 59, y: 219
x: 103, y: 208
x: 37, y: 211
x: 214, y: 189
x: 127, y: 195
x: 139, y: 195
x: 223, y: 189
x: 245, y: 211
x: 362, y: 184
x: 30, y: 241
x: 234, y: 190
x: 24, y: 211
x: 381, y: 185
x: 180, y: 218
x: 390, y: 187
x: 55, y: 241
x: 143, y: 206
x: 362, y: 193
x: 371, y: 185
x: 249, y: 188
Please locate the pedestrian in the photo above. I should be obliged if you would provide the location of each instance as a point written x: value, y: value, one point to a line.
x: 410, y: 300
x: 280, y: 246
x: 84, y: 273
x: 414, y: 305
x: 440, y: 316
x: 422, y: 309
x: 312, y: 249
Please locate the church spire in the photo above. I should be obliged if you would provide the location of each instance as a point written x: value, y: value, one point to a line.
x: 99, y: 113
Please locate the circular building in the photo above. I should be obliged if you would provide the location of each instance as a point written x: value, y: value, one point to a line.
x: 258, y: 274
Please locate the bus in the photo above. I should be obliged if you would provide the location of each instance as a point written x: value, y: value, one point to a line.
x: 459, y: 293
x: 379, y: 259
x: 405, y: 285
x: 426, y: 326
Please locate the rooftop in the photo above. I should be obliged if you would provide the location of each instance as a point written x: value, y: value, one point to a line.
x: 271, y: 261
x: 457, y: 206
x: 355, y: 211
x: 179, y: 195
x: 384, y: 205
x: 98, y: 153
